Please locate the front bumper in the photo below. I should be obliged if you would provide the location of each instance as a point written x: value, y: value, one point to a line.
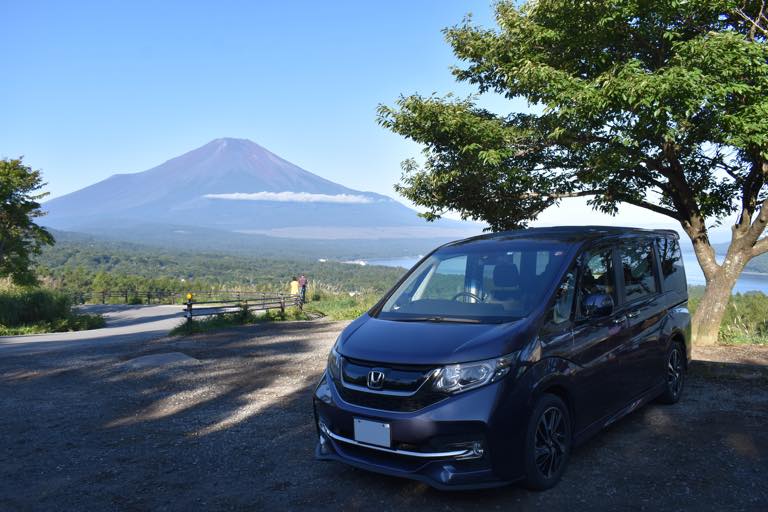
x: 452, y: 444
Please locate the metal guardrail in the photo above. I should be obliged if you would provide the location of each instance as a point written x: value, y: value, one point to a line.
x: 161, y: 297
x: 127, y: 297
x: 257, y: 302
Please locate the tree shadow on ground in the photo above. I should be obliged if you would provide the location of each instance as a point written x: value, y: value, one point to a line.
x: 235, y: 432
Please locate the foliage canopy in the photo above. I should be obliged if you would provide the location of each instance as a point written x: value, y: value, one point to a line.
x: 20, y: 236
x: 661, y: 104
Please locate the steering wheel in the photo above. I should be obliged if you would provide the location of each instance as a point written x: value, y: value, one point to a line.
x: 467, y: 294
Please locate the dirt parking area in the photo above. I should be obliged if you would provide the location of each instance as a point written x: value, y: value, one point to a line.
x: 232, y: 430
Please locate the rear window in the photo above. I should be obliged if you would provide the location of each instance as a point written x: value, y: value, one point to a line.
x: 638, y: 269
x: 672, y: 270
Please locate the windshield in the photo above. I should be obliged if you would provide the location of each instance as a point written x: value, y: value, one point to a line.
x: 487, y: 281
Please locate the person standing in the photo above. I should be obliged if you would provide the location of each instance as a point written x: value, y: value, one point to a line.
x: 294, y: 286
x: 303, y: 287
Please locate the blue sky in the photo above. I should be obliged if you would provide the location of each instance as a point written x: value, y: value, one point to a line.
x: 95, y: 88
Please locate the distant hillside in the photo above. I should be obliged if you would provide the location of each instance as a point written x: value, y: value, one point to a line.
x: 758, y: 264
x: 187, y: 240
x: 75, y: 260
x: 232, y: 189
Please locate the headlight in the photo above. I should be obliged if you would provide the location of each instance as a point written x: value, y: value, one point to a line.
x: 465, y: 376
x: 334, y: 363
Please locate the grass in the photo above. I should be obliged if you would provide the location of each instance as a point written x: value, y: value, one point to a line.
x: 235, y: 319
x: 340, y: 306
x: 745, y: 322
x: 740, y: 339
x: 71, y: 323
x: 37, y: 310
x: 334, y: 306
x: 22, y: 306
x: 746, y: 317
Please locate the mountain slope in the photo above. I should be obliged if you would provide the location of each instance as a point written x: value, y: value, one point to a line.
x: 232, y: 185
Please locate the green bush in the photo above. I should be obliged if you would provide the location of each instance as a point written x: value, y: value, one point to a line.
x: 242, y: 317
x: 83, y: 323
x: 23, y: 307
x: 32, y: 311
x: 342, y: 306
x: 746, y: 317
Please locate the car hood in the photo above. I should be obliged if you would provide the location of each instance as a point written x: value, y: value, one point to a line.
x: 427, y: 343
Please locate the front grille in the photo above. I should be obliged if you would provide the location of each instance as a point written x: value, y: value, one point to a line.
x: 398, y: 378
x: 418, y: 401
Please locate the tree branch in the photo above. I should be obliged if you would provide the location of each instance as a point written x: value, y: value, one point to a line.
x: 759, y: 22
x: 754, y: 230
x: 636, y: 202
x: 676, y: 188
x: 564, y: 195
x: 761, y: 247
x: 654, y: 208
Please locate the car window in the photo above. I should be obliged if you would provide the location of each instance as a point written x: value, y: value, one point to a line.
x: 638, y: 270
x: 566, y: 292
x: 672, y: 270
x: 446, y: 281
x: 542, y: 262
x: 486, y: 281
x: 597, y: 275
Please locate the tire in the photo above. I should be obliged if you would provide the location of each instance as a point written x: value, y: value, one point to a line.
x: 674, y: 374
x: 548, y: 443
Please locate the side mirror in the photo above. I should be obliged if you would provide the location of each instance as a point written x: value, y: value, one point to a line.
x: 597, y: 305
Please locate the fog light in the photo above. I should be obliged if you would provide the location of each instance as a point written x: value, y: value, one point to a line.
x: 322, y: 440
x: 475, y: 448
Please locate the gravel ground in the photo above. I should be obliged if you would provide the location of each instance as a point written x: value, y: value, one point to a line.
x: 83, y: 430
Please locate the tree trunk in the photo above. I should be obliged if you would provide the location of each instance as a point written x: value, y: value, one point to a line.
x: 705, y: 325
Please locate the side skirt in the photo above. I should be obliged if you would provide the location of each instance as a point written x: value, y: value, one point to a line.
x: 636, y: 403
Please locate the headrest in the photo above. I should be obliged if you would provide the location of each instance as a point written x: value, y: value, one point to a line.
x: 505, y: 276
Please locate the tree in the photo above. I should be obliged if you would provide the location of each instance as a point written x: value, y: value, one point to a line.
x: 102, y: 282
x: 658, y: 104
x: 20, y: 237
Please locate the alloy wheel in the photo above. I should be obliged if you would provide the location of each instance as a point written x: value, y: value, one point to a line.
x: 675, y: 372
x: 550, y: 442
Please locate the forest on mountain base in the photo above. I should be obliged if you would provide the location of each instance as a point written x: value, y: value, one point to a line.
x: 97, y: 266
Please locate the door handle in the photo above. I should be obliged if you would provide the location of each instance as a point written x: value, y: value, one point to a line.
x: 620, y: 320
x: 633, y: 314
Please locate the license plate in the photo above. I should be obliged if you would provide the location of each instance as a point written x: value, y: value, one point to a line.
x: 372, y: 432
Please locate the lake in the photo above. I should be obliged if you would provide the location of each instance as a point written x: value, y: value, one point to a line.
x: 748, y: 282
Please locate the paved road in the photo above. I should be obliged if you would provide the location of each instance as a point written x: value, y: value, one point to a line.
x: 124, y: 324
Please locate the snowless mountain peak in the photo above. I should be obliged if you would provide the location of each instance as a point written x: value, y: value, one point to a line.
x: 228, y: 183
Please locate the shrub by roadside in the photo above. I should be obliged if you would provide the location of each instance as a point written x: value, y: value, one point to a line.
x: 746, y: 317
x: 197, y: 326
x: 745, y: 322
x: 33, y: 311
x: 334, y: 306
x: 341, y: 306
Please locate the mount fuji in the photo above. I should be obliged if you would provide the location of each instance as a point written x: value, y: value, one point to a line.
x: 234, y: 186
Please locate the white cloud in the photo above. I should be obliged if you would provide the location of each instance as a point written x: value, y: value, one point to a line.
x: 293, y: 197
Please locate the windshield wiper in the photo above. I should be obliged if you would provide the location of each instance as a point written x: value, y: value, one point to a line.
x: 437, y: 319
